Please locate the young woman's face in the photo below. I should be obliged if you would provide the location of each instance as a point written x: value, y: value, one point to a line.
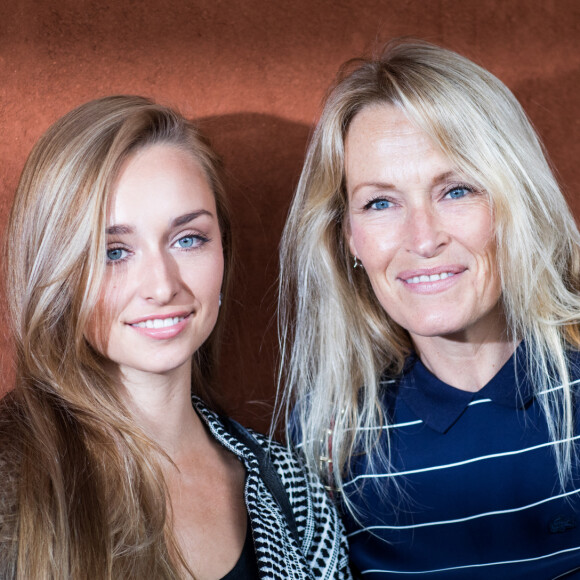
x: 161, y: 292
x: 424, y: 234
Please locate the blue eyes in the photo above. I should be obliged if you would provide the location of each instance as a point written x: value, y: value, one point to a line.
x: 191, y: 242
x: 380, y: 204
x: 457, y: 192
x: 188, y: 241
x: 115, y: 254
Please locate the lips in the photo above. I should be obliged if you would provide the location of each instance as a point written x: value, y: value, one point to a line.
x: 159, y: 322
x: 431, y: 278
x: 435, y: 274
x: 161, y: 327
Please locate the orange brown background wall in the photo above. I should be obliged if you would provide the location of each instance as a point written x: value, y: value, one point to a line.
x: 254, y: 72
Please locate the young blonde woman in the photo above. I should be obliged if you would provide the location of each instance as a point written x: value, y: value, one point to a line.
x: 118, y: 255
x: 430, y: 314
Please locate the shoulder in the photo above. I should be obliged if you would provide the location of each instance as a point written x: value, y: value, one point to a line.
x: 321, y: 531
x: 287, y: 463
x: 237, y: 438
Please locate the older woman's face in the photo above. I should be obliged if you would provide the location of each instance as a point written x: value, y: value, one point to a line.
x: 424, y: 234
x: 160, y: 297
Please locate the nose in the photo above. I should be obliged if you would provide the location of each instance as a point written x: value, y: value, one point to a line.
x: 426, y: 235
x: 159, y: 278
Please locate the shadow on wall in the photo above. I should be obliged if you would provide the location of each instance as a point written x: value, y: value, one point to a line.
x: 263, y: 157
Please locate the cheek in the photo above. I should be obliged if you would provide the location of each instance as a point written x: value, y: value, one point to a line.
x: 475, y: 224
x: 372, y: 244
x: 478, y: 236
x: 493, y: 269
x: 480, y: 240
x: 204, y: 279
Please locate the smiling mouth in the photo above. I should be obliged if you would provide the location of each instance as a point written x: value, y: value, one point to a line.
x: 431, y: 278
x: 159, y: 322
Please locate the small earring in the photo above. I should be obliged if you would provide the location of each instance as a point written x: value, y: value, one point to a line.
x: 220, y: 300
x: 357, y: 263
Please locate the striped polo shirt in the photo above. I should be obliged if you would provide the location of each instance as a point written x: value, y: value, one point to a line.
x: 474, y: 492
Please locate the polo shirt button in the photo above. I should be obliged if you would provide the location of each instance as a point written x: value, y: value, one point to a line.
x: 562, y: 523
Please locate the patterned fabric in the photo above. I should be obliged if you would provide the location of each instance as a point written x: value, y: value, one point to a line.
x: 322, y: 553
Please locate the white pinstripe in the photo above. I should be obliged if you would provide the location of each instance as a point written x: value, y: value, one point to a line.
x: 467, y: 567
x: 467, y: 518
x: 460, y: 463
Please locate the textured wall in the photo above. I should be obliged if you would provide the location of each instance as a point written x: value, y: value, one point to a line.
x: 255, y: 72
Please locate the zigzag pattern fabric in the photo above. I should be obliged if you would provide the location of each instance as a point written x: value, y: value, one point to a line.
x: 322, y: 553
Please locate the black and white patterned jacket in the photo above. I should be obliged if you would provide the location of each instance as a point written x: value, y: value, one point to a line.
x: 322, y: 553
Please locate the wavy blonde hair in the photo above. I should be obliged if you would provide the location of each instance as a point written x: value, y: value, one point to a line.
x: 336, y: 339
x: 90, y: 500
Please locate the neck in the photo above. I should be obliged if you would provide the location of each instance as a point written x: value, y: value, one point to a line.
x: 161, y: 406
x: 468, y: 360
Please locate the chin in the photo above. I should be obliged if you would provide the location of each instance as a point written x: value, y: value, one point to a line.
x: 434, y: 328
x: 162, y: 366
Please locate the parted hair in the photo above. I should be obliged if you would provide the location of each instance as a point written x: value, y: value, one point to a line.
x: 85, y: 496
x: 336, y: 339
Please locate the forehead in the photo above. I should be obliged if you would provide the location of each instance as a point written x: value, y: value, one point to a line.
x: 161, y: 177
x: 383, y: 115
x: 156, y: 163
x: 382, y: 141
x: 383, y: 125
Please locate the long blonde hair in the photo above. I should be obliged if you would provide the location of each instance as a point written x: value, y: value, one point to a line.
x: 336, y: 339
x: 90, y: 496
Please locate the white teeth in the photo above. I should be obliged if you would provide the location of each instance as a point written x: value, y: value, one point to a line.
x: 432, y: 278
x: 159, y: 322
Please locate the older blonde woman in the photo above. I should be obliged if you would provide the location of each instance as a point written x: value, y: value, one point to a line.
x: 430, y: 310
x: 118, y: 259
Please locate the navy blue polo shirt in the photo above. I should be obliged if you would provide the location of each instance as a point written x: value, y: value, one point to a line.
x: 474, y: 492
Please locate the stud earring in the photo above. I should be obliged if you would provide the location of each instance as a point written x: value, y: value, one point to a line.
x: 220, y: 300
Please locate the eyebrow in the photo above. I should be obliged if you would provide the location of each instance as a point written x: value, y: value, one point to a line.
x: 444, y: 177
x: 188, y: 217
x: 121, y: 229
x: 376, y: 184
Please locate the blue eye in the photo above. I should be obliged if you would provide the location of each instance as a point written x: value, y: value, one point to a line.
x: 189, y: 242
x: 186, y: 242
x: 379, y: 204
x: 116, y: 254
x: 457, y: 192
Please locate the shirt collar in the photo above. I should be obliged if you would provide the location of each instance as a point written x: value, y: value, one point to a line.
x: 439, y: 405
